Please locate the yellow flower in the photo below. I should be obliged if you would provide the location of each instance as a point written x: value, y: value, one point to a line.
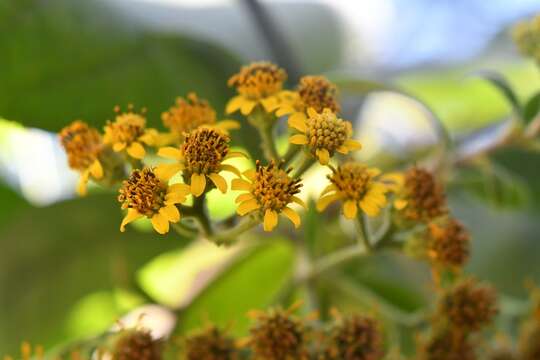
x: 421, y: 197
x: 190, y: 113
x: 145, y: 194
x: 269, y: 191
x: 83, y: 146
x: 201, y: 156
x: 355, y: 185
x: 257, y: 83
x: 128, y: 132
x: 323, y: 133
x: 312, y: 92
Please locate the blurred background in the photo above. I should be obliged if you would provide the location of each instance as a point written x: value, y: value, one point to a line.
x: 403, y: 68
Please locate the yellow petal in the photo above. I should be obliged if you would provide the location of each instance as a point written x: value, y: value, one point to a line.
x: 198, y: 184
x: 219, y: 181
x: 324, y: 201
x: 150, y: 137
x: 270, y: 220
x: 234, y: 104
x: 292, y: 215
x: 82, y: 184
x: 270, y: 103
x: 228, y: 124
x: 230, y: 168
x: 119, y: 146
x: 131, y: 215
x: 250, y: 174
x: 240, y: 184
x: 167, y: 171
x: 284, y: 110
x: 235, y: 154
x: 298, y: 121
x: 247, y: 206
x: 323, y: 155
x: 299, y: 201
x: 298, y: 139
x: 353, y: 144
x: 171, y: 213
x: 178, y: 189
x: 96, y: 169
x: 243, y: 197
x: 369, y: 208
x: 377, y: 198
x: 311, y: 112
x: 170, y: 152
x: 247, y: 107
x: 160, y: 223
x: 329, y: 188
x: 350, y: 209
x: 136, y: 150
x: 400, y: 204
x: 343, y: 150
x: 374, y: 172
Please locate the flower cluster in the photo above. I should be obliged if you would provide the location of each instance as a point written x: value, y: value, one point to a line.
x: 526, y: 35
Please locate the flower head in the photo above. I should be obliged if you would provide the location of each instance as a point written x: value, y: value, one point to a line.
x: 447, y: 345
x: 83, y: 146
x: 277, y: 335
x: 257, y: 83
x: 355, y: 338
x: 448, y: 243
x: 355, y: 185
x: 270, y: 189
x: 200, y: 157
x: 137, y: 344
x: 191, y: 112
x: 421, y: 197
x: 210, y: 344
x: 469, y: 306
x: 312, y: 92
x: 145, y: 194
x: 323, y: 133
x: 128, y: 132
x: 526, y: 35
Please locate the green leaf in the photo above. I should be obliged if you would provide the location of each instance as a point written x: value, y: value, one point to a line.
x: 531, y: 108
x: 251, y: 283
x: 501, y: 84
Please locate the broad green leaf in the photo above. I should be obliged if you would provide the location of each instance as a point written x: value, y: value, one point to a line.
x: 251, y: 283
x: 531, y: 108
x: 502, y: 84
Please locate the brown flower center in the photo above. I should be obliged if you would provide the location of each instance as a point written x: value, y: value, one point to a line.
x: 318, y: 93
x: 204, y: 149
x: 188, y: 114
x: 126, y: 128
x: 142, y: 191
x: 448, y: 244
x: 326, y: 131
x: 273, y: 187
x: 258, y: 80
x: 137, y: 345
x: 356, y: 338
x: 425, y: 196
x: 352, y: 179
x: 81, y: 143
x: 212, y: 344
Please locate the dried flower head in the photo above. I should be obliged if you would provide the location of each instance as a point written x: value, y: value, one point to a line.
x: 128, y: 132
x: 277, y: 335
x: 448, y: 243
x: 257, y: 83
x: 323, y: 133
x: 469, y: 306
x: 421, y: 197
x: 355, y: 338
x: 201, y: 156
x: 83, y: 146
x: 526, y: 35
x: 312, y: 92
x: 355, y: 185
x: 529, y: 341
x: 270, y: 189
x: 137, y: 344
x: 447, y: 345
x: 145, y: 194
x: 210, y: 344
x: 190, y: 113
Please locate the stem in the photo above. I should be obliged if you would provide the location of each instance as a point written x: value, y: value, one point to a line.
x: 200, y: 214
x: 304, y: 166
x: 363, y: 231
x: 228, y: 236
x: 292, y: 151
x: 332, y: 261
x: 184, y: 230
x: 268, y: 145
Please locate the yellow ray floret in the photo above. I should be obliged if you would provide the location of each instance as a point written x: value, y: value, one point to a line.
x: 269, y: 192
x: 356, y: 186
x: 145, y: 194
x: 200, y: 158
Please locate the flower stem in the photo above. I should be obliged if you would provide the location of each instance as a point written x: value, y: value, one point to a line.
x: 332, y: 261
x: 363, y: 230
x: 200, y: 214
x: 304, y: 166
x: 292, y: 151
x: 264, y: 123
x: 229, y: 236
x: 184, y: 230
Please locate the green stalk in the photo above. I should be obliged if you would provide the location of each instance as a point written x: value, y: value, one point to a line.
x: 229, y: 236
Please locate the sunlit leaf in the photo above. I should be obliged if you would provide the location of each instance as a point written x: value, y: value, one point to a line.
x: 502, y: 84
x: 531, y: 108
